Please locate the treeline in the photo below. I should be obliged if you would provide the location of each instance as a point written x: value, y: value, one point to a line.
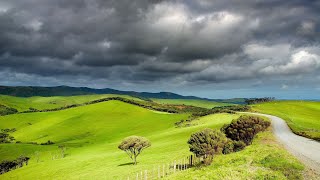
x: 6, y: 165
x: 169, y: 108
x: 4, y: 110
x: 199, y: 112
x: 259, y: 100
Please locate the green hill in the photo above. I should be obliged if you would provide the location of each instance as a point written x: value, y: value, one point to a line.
x: 301, y: 116
x: 24, y: 103
x: 92, y: 133
x: 30, y: 91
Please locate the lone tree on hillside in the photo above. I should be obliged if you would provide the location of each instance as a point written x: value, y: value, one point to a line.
x: 133, y: 146
x: 206, y: 143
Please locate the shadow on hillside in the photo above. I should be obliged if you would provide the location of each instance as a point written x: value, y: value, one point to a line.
x: 126, y: 164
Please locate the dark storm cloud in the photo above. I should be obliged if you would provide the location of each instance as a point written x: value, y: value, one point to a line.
x: 143, y: 41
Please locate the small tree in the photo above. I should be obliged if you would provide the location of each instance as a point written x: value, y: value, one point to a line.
x: 133, y: 146
x: 206, y: 143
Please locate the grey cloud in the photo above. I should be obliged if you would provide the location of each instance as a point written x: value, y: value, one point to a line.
x: 150, y: 41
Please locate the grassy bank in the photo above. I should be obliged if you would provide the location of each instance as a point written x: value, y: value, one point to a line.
x: 303, y: 117
x: 264, y: 159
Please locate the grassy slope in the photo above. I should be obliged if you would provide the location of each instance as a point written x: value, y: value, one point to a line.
x: 264, y: 159
x: 192, y: 102
x: 301, y: 116
x: 22, y: 104
x: 92, y: 134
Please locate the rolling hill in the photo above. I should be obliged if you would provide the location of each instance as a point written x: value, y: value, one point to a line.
x: 25, y: 103
x: 92, y: 133
x: 31, y: 91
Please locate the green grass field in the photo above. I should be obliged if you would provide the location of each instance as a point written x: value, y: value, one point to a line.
x: 23, y: 104
x: 301, y: 116
x: 264, y: 159
x: 192, y: 102
x: 92, y: 133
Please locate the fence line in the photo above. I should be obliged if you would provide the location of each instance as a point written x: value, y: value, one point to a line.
x: 165, y: 169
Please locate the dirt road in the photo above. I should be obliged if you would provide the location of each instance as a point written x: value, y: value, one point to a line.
x: 307, y: 150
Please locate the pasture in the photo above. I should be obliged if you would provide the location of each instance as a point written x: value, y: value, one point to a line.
x: 92, y: 133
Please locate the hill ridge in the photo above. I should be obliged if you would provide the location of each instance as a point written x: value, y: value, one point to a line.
x: 29, y: 91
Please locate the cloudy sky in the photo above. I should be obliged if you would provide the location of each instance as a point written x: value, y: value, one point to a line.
x: 208, y: 48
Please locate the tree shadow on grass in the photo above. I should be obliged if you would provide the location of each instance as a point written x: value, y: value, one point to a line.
x: 126, y: 164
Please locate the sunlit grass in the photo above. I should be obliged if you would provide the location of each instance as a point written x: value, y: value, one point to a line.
x: 192, y: 102
x: 301, y: 116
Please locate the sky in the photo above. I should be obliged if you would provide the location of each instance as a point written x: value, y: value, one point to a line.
x: 206, y: 48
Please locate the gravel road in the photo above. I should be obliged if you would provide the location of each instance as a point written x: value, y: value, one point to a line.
x: 307, y: 150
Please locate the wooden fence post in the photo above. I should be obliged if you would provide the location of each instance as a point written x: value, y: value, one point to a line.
x: 146, y: 174
x: 163, y: 170
x: 184, y: 164
x: 141, y: 175
x: 159, y: 172
x: 137, y: 178
x: 174, y: 167
x: 178, y: 166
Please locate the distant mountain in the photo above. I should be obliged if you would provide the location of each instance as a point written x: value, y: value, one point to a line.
x: 29, y: 91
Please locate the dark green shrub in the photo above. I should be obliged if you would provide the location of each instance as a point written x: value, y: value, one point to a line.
x: 259, y: 100
x: 233, y: 146
x: 238, y: 146
x: 47, y: 143
x: 7, y: 130
x: 31, y: 143
x: 206, y: 143
x: 6, y: 166
x: 245, y: 128
x: 6, y: 138
x: 4, y: 110
x: 228, y: 147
